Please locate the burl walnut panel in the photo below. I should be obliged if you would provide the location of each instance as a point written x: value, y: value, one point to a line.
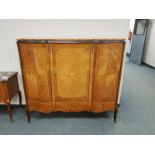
x: 82, y: 75
x: 36, y: 74
x: 106, y: 75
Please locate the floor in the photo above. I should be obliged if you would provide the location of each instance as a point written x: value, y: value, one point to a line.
x: 136, y: 113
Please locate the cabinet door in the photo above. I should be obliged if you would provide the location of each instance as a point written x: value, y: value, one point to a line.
x: 72, y: 73
x: 36, y: 71
x: 107, y: 70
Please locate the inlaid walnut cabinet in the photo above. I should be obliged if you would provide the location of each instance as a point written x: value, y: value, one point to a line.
x: 71, y: 75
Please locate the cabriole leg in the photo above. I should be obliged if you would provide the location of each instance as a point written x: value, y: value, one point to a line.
x: 115, y: 114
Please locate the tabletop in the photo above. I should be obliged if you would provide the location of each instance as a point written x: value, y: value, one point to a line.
x: 4, y: 76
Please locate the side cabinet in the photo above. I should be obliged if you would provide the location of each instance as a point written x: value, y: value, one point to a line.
x: 71, y: 75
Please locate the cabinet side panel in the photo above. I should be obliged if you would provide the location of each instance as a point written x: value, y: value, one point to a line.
x: 4, y: 96
x: 12, y: 85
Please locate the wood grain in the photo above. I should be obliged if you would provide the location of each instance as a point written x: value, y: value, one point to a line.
x: 108, y: 63
x: 71, y: 71
x: 36, y: 72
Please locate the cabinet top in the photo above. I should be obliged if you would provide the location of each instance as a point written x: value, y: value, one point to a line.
x: 70, y: 40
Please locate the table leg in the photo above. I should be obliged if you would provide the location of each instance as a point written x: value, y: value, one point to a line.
x: 9, y: 110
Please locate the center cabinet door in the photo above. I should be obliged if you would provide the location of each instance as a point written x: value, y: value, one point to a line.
x: 72, y: 76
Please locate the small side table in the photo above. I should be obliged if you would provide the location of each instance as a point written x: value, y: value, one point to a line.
x: 8, y: 89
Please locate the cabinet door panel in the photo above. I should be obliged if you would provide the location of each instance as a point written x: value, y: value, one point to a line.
x: 72, y: 64
x: 36, y: 69
x: 107, y: 69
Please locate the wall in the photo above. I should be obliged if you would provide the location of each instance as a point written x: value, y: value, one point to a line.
x: 10, y: 30
x: 149, y: 52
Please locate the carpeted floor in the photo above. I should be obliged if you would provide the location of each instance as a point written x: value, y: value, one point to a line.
x: 136, y: 113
